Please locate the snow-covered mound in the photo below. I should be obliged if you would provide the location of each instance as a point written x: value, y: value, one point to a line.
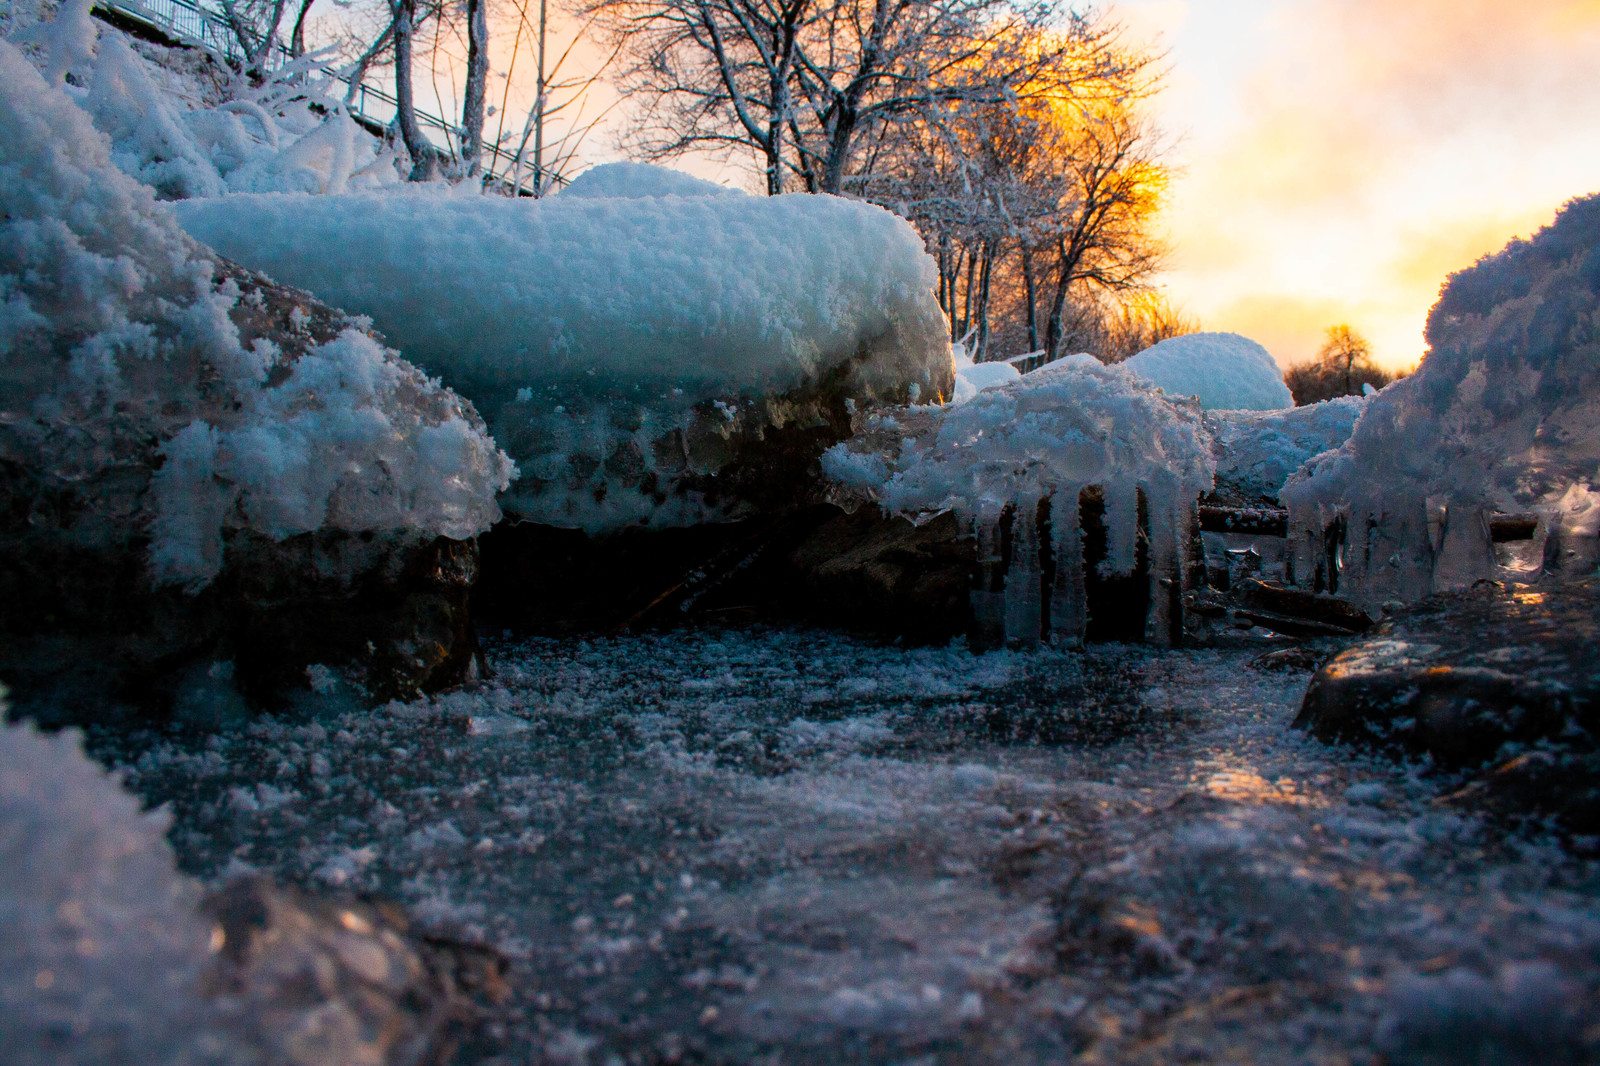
x: 607, y: 340
x: 101, y: 943
x: 1258, y: 450
x: 629, y: 181
x: 1224, y: 371
x: 972, y: 378
x: 1503, y: 414
x: 123, y: 352
x: 1073, y: 425
x: 188, y: 126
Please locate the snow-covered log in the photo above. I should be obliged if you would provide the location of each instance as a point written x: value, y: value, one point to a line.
x: 626, y: 350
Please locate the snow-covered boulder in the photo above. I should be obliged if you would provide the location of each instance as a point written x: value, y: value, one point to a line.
x: 628, y: 181
x: 1224, y: 371
x: 662, y: 360
x: 1021, y: 464
x: 167, y: 418
x: 1502, y: 415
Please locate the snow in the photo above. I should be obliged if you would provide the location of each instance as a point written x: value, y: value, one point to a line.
x: 641, y: 180
x: 101, y: 945
x: 1502, y: 415
x: 590, y: 330
x: 119, y: 344
x: 972, y: 378
x: 1045, y: 437
x: 1224, y: 371
x: 1258, y: 450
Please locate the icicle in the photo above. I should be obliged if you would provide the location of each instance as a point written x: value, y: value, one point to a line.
x: 1122, y: 529
x: 1023, y: 578
x: 1466, y: 552
x: 1165, y: 619
x: 988, y: 592
x: 1068, y: 613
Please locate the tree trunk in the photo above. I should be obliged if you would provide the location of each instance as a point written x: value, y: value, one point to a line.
x: 472, y: 104
x: 1028, y: 290
x: 424, y: 159
x: 297, y: 38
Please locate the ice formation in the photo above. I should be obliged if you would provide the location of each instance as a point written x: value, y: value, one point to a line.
x: 188, y: 126
x: 121, y: 352
x: 614, y: 344
x: 628, y: 181
x: 1014, y: 463
x: 1502, y: 415
x: 1258, y: 450
x: 101, y: 945
x: 1223, y: 370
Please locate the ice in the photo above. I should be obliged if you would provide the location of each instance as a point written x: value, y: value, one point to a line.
x: 641, y: 180
x: 1502, y: 415
x: 121, y: 350
x: 1224, y: 371
x: 1013, y: 462
x: 604, y: 338
x: 1258, y: 450
x: 101, y: 945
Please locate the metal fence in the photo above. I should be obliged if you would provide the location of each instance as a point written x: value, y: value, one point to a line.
x: 185, y: 22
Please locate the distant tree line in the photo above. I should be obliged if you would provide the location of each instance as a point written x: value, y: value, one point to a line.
x: 1343, y: 367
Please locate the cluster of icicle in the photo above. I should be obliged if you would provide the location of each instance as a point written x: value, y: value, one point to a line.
x: 1017, y: 465
x: 1502, y: 417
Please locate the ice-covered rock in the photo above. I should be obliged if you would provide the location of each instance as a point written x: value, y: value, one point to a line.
x: 633, y: 355
x: 1502, y: 415
x: 166, y: 417
x: 1077, y: 463
x: 1224, y: 371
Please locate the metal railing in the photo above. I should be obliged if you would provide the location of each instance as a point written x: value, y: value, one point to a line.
x: 187, y: 23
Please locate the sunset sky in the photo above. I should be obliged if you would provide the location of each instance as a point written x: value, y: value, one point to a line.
x: 1340, y: 157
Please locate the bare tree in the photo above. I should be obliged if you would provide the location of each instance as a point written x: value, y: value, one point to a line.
x: 254, y: 26
x: 1343, y: 367
x: 473, y: 97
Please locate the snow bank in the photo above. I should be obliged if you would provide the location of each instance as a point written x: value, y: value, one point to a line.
x: 121, y: 351
x: 603, y: 337
x: 101, y: 944
x: 1503, y: 414
x: 1258, y: 450
x: 1224, y: 371
x: 628, y: 181
x: 189, y: 127
x: 1069, y: 426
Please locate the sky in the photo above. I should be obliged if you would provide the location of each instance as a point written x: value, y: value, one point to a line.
x: 1338, y: 158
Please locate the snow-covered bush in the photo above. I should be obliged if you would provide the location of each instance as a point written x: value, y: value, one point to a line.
x: 1503, y: 414
x: 101, y: 943
x: 1069, y: 426
x: 1224, y: 371
x: 121, y: 351
x: 613, y: 344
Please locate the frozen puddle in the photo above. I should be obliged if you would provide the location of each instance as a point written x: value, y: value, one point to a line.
x: 791, y: 846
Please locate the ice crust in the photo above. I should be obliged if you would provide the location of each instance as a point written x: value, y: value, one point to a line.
x: 599, y: 336
x: 1502, y: 415
x: 119, y: 355
x: 1029, y: 449
x: 101, y: 944
x: 1224, y: 371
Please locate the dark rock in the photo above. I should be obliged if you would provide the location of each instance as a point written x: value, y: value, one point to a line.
x: 1475, y: 679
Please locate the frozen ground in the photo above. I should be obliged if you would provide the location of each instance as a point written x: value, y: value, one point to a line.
x: 792, y: 846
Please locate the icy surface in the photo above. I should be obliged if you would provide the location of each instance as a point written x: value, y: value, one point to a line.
x: 1223, y: 370
x: 738, y: 846
x: 116, y: 344
x: 1503, y: 414
x: 588, y: 330
x: 638, y: 180
x: 101, y: 947
x: 1023, y: 454
x: 1258, y: 450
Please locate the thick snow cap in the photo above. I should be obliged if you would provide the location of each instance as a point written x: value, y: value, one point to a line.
x: 631, y: 181
x: 591, y: 330
x: 121, y: 355
x: 1502, y: 415
x: 1224, y: 371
